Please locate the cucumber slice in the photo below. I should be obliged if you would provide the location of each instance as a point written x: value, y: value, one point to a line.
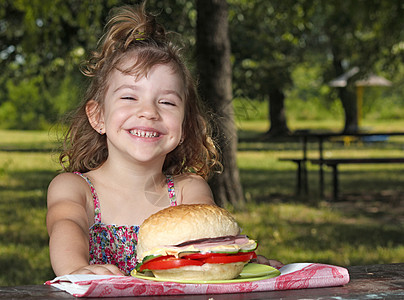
x: 249, y: 249
x: 145, y: 260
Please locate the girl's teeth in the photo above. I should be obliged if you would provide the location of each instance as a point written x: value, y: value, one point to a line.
x: 144, y: 133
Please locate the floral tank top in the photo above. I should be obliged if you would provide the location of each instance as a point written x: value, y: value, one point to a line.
x: 116, y: 244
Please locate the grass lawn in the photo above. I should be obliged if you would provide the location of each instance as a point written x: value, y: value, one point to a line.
x: 24, y: 176
x: 364, y: 228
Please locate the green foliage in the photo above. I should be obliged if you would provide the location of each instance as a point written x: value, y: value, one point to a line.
x: 42, y: 44
x: 271, y: 38
x: 67, y: 97
x: 248, y: 110
x: 265, y: 51
x: 308, y: 99
x: 26, y: 107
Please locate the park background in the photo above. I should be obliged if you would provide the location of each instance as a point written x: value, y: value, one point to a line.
x: 287, y: 51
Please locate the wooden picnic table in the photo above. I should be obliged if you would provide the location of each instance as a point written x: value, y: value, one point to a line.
x: 385, y: 281
x: 320, y: 138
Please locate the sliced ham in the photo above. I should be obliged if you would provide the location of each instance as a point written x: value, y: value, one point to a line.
x: 213, y: 242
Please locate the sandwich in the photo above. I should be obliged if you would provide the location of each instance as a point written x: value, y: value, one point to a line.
x: 196, y: 242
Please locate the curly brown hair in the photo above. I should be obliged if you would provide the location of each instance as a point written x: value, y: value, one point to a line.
x: 132, y: 32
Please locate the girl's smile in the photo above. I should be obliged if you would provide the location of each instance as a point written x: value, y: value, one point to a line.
x: 144, y: 133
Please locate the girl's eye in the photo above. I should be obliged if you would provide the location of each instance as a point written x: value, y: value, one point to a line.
x: 167, y: 102
x: 128, y: 98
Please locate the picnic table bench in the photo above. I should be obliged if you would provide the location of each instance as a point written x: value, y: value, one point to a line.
x: 320, y: 137
x: 334, y: 162
x: 384, y: 281
x: 301, y: 174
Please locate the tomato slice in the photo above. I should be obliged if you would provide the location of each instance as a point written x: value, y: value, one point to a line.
x: 194, y: 259
x: 150, y: 258
x: 169, y: 262
x: 226, y: 259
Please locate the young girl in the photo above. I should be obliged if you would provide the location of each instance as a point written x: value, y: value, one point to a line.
x: 137, y: 144
x: 130, y: 149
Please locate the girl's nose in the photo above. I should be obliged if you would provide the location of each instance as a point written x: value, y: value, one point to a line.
x: 148, y: 111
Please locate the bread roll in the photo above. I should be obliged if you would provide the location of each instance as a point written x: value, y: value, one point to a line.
x: 178, y: 224
x: 183, y: 223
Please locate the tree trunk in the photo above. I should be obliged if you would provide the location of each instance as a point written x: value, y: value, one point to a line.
x: 213, y: 58
x: 277, y: 116
x: 347, y: 97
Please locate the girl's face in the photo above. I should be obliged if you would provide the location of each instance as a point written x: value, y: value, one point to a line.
x: 143, y: 116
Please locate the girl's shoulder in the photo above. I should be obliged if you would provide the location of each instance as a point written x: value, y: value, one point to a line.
x: 67, y: 178
x: 188, y: 179
x: 68, y: 186
x: 192, y: 189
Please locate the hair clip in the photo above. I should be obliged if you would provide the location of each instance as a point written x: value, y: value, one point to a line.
x: 142, y: 38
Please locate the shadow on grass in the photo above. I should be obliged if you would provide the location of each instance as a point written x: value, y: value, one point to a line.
x: 22, y: 267
x: 23, y: 207
x: 24, y: 256
x: 370, y: 193
x: 29, y: 180
x: 332, y: 235
x: 274, y: 185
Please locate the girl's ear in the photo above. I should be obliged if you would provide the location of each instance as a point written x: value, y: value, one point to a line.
x: 95, y: 116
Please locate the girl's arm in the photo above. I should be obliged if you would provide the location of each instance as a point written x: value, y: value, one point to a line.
x: 68, y: 228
